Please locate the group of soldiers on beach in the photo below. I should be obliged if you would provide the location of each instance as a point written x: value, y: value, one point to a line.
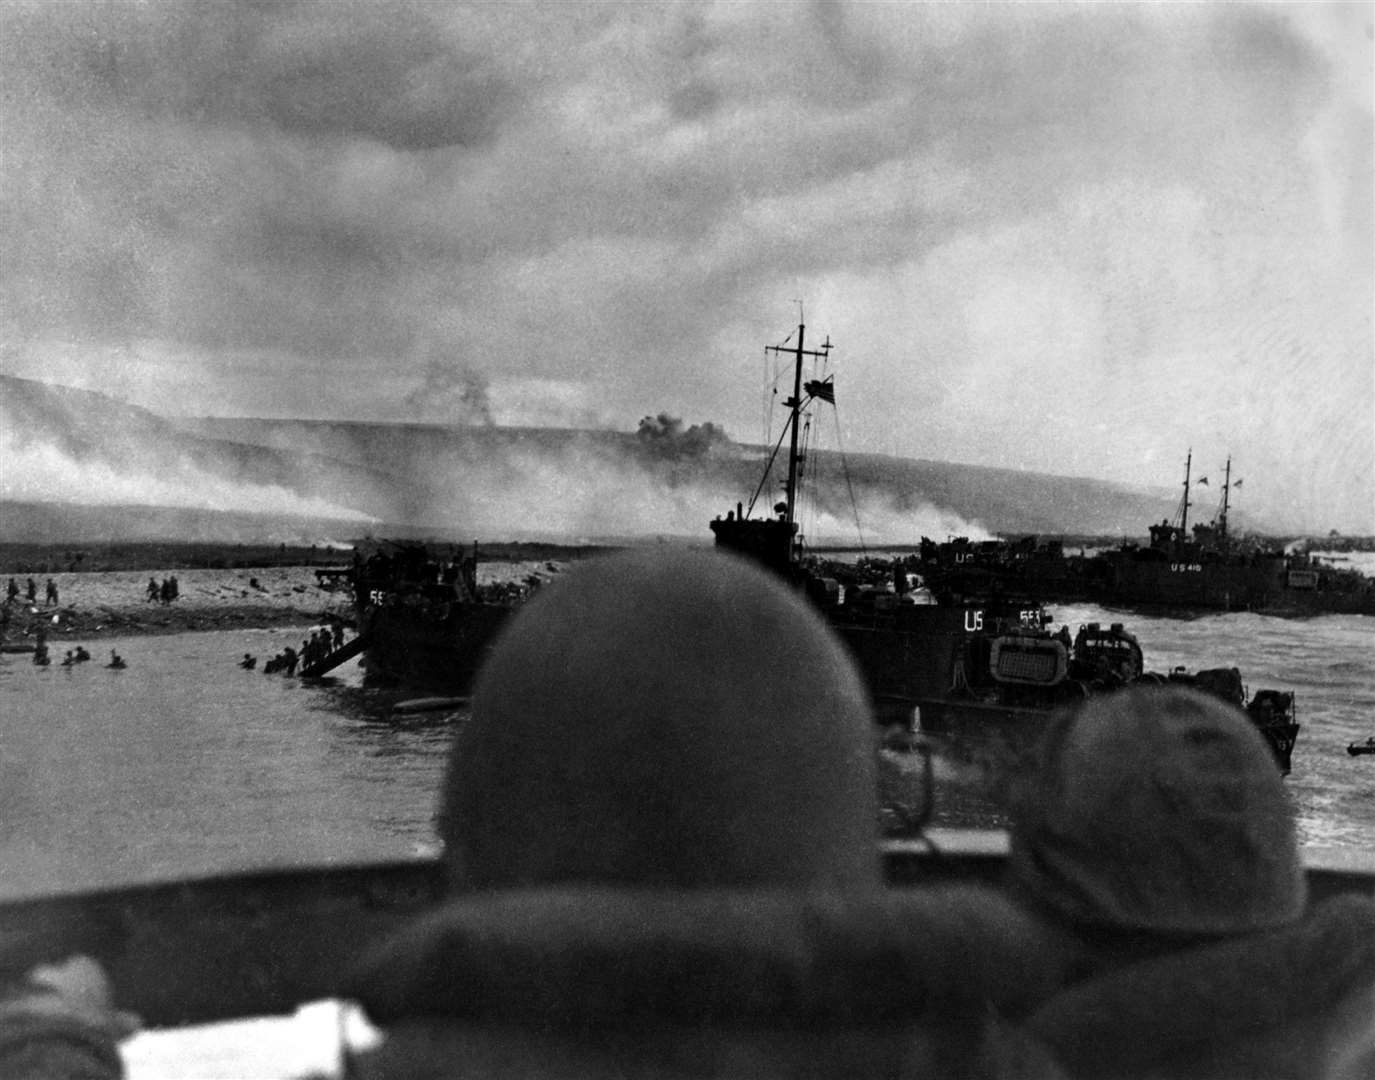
x: 164, y: 592
x: 50, y: 598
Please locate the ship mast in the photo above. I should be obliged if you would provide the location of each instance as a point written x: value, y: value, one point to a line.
x: 794, y: 406
x: 1226, y: 490
x: 1184, y: 503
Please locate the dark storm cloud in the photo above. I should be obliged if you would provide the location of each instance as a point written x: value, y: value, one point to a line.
x: 396, y: 80
x: 192, y: 169
x: 338, y: 69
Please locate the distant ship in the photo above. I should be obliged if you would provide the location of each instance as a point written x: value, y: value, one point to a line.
x: 974, y: 659
x: 1203, y: 568
x: 1208, y: 568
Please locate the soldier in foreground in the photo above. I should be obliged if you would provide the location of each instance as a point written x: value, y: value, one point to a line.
x: 660, y: 835
x: 1155, y: 838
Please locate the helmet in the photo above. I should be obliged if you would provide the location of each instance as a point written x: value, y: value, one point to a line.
x: 664, y: 718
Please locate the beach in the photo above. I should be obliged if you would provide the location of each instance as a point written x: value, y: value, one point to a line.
x: 115, y: 603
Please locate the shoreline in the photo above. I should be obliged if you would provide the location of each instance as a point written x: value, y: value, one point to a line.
x: 114, y: 603
x: 106, y: 604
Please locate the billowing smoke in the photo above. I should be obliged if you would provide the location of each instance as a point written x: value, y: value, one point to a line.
x: 664, y: 436
x: 882, y: 521
x: 488, y: 482
x: 452, y: 394
x: 38, y: 472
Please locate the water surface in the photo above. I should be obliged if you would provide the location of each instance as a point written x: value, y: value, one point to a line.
x: 185, y: 764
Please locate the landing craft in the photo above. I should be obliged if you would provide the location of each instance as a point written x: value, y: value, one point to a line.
x: 977, y: 668
x: 423, y: 620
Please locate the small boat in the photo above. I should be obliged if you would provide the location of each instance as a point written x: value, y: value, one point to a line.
x: 427, y: 704
x: 1367, y: 747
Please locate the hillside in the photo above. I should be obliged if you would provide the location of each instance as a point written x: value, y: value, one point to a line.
x: 84, y: 466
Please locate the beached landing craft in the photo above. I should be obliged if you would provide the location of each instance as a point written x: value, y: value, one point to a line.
x: 978, y: 667
x: 423, y: 621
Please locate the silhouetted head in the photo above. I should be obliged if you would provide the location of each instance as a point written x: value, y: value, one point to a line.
x: 664, y: 718
x: 1161, y: 810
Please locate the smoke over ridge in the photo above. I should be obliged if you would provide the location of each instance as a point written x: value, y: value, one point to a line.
x: 667, y: 478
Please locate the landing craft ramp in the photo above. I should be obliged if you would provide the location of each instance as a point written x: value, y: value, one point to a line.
x: 340, y: 655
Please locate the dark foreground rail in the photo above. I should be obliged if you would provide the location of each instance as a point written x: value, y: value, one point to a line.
x: 264, y: 943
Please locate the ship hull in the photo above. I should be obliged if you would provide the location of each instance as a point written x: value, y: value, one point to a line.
x: 1147, y: 578
x: 406, y: 648
x: 1131, y: 578
x: 998, y: 737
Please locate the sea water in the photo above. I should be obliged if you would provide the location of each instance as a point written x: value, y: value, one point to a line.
x: 184, y: 764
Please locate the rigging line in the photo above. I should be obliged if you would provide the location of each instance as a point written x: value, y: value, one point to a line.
x: 809, y: 510
x: 768, y: 468
x: 766, y: 394
x: 849, y: 485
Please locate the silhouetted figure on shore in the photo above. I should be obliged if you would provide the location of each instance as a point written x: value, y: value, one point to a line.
x: 154, y: 593
x: 116, y: 661
x: 11, y: 591
x: 51, y: 597
x: 249, y: 662
x: 32, y: 591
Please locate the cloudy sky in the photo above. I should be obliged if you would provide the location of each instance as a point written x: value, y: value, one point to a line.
x: 1075, y: 239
